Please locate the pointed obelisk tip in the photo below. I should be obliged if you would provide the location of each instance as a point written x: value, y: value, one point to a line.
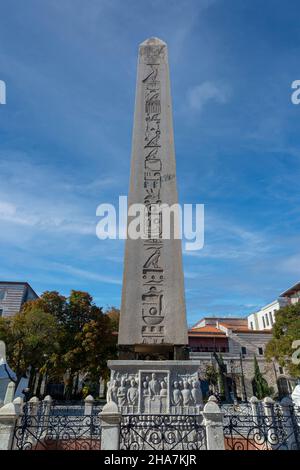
x: 153, y: 42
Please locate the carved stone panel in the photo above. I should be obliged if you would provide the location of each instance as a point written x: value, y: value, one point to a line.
x: 155, y: 396
x: 158, y: 390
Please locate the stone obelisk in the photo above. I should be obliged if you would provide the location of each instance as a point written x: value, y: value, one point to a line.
x: 153, y: 373
x: 153, y: 317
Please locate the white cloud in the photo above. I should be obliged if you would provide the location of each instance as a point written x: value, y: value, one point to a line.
x: 7, y: 209
x: 82, y: 273
x: 291, y: 264
x: 200, y: 95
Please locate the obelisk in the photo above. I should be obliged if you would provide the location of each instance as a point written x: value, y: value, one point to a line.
x: 153, y: 373
x: 153, y: 316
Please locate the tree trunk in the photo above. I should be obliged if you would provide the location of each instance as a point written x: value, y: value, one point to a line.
x: 38, y: 388
x: 31, y: 381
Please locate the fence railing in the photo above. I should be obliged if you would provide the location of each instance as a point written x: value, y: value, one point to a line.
x: 162, y: 432
x: 262, y: 425
x: 46, y: 425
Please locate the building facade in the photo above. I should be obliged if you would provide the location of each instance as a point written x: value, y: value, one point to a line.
x: 13, y: 295
x: 231, y: 341
x: 292, y: 295
x: 265, y: 318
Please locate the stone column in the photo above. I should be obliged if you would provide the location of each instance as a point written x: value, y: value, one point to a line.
x: 88, y: 405
x: 9, y: 414
x: 272, y: 437
x: 213, y: 420
x: 257, y: 433
x: 289, y: 424
x: 153, y: 318
x: 10, y: 393
x: 47, y: 404
x: 33, y: 405
x: 110, y: 419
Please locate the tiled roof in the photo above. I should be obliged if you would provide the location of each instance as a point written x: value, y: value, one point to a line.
x: 236, y: 325
x: 207, y: 329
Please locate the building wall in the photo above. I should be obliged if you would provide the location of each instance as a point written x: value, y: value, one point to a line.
x: 294, y: 298
x: 271, y: 371
x: 254, y: 343
x: 12, y: 297
x: 265, y: 318
x: 210, y: 343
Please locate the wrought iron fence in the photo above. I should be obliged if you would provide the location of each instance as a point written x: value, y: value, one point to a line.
x: 162, y: 432
x: 268, y: 427
x: 52, y: 427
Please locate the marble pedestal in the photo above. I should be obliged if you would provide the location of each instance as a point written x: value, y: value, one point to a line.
x: 155, y: 387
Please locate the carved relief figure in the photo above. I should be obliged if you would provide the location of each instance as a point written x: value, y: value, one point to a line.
x: 121, y: 393
x: 146, y: 396
x: 163, y: 391
x: 196, y: 393
x: 154, y: 385
x: 111, y: 394
x: 186, y: 394
x: 145, y: 390
x: 177, y: 396
x: 132, y: 394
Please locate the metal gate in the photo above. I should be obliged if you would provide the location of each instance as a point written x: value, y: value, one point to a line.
x: 267, y: 429
x: 162, y: 432
x: 56, y: 428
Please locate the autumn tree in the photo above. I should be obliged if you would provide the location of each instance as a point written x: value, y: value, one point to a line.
x: 62, y: 338
x: 114, y: 315
x: 31, y: 337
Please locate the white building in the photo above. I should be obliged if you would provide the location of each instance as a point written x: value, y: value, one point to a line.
x: 265, y: 318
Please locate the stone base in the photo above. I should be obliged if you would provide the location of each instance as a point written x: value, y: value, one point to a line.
x: 155, y: 387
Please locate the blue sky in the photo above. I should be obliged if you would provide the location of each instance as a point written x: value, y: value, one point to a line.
x: 65, y: 135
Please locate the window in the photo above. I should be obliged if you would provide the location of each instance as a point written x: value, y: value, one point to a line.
x: 2, y: 294
x: 264, y: 323
x: 1, y: 312
x: 267, y: 319
x: 271, y: 318
x: 251, y: 325
x: 244, y: 350
x: 260, y: 351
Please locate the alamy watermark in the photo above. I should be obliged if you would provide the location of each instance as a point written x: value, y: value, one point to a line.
x: 152, y: 221
x: 2, y: 92
x: 296, y: 354
x: 295, y: 96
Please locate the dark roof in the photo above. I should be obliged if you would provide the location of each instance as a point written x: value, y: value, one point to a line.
x: 20, y: 283
x: 291, y: 290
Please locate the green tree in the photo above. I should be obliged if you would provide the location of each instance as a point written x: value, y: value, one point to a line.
x: 222, y: 377
x: 285, y: 331
x: 211, y: 375
x: 99, y: 345
x: 61, y: 337
x: 260, y: 386
x: 31, y: 337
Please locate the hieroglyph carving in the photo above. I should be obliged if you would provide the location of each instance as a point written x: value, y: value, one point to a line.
x: 153, y: 329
